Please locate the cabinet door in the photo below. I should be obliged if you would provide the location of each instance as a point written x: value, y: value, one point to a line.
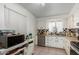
x: 67, y: 46
x: 56, y: 43
x: 30, y: 49
x: 51, y: 42
x: 46, y: 41
x: 15, y: 21
x: 60, y: 43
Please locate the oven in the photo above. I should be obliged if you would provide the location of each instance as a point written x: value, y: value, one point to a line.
x: 74, y: 49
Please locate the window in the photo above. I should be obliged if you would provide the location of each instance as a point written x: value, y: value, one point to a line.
x: 52, y: 26
x: 55, y: 27
x: 59, y: 26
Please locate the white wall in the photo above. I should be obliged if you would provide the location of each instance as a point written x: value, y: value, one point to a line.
x: 42, y: 23
x: 17, y: 18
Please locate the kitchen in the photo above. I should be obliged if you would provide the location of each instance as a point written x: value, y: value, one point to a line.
x: 39, y: 28
x: 57, y: 36
x: 60, y: 31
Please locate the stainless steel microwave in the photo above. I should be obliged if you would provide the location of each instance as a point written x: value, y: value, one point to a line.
x: 9, y: 41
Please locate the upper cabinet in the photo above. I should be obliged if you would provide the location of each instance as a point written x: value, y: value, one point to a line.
x: 76, y: 21
x: 73, y: 21
x: 2, y: 25
x: 15, y: 20
x: 70, y: 21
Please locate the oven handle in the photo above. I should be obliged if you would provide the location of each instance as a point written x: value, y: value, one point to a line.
x: 30, y: 42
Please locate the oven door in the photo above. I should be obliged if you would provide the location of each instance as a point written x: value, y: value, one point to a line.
x: 72, y: 52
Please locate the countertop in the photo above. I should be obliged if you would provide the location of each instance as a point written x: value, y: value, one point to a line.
x: 66, y: 37
x: 72, y: 39
x: 56, y: 35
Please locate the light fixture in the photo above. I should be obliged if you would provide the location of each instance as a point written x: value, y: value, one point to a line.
x: 42, y: 4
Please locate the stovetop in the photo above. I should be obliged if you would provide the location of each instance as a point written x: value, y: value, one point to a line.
x: 75, y: 44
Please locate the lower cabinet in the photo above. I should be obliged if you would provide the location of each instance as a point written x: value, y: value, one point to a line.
x: 58, y: 42
x: 50, y: 41
x: 67, y: 46
x: 54, y: 42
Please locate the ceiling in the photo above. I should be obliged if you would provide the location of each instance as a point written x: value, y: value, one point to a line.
x: 48, y: 9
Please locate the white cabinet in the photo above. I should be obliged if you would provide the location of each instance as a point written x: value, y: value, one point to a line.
x: 67, y: 46
x: 15, y: 21
x: 57, y: 43
x: 50, y: 41
x: 46, y: 41
x: 30, y: 49
x: 54, y: 42
x: 60, y: 42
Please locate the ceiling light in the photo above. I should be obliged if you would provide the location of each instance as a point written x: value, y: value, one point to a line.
x: 40, y: 4
x: 43, y: 4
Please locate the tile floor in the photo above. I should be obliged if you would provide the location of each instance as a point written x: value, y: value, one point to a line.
x: 48, y: 51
